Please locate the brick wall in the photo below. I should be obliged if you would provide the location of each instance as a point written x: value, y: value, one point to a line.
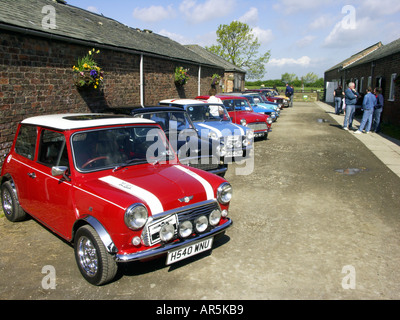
x: 36, y: 78
x: 384, y: 68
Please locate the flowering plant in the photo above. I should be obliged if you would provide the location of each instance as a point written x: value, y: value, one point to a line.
x: 181, y: 76
x: 215, y: 78
x: 88, y: 73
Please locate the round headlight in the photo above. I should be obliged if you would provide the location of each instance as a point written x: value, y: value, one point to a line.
x: 213, y: 135
x: 224, y: 193
x: 201, y: 224
x: 136, y: 216
x: 269, y: 120
x: 243, y: 122
x: 167, y: 232
x: 250, y: 134
x: 185, y: 229
x: 215, y: 217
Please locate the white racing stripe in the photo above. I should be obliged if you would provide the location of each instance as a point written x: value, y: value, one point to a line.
x: 219, y: 134
x: 150, y: 199
x: 207, y: 187
x: 240, y: 128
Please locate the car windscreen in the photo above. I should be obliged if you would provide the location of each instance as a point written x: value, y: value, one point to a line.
x: 168, y: 121
x: 119, y: 146
x: 237, y: 105
x: 207, y: 112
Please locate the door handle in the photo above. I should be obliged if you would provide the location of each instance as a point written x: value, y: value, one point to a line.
x: 32, y: 175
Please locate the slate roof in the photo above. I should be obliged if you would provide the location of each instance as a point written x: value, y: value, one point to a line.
x: 213, y: 58
x: 384, y: 51
x: 73, y: 23
x: 356, y: 57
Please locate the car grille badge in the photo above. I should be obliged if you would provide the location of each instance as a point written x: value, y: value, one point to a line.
x: 186, y: 199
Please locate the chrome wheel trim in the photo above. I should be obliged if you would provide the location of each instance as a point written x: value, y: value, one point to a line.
x: 7, y: 202
x: 87, y: 255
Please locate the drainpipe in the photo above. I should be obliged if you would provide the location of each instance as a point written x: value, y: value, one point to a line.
x: 198, y: 82
x: 141, y: 82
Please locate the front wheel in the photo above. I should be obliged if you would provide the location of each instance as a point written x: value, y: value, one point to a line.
x: 96, y: 265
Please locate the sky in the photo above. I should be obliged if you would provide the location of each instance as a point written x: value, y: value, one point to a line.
x: 302, y: 35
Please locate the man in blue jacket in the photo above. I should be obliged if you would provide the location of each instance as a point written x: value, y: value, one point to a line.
x: 351, y: 96
x: 369, y: 103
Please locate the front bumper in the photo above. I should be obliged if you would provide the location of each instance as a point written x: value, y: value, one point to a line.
x: 163, y: 249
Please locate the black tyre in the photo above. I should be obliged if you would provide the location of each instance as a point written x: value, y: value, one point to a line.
x: 10, y: 203
x: 96, y: 265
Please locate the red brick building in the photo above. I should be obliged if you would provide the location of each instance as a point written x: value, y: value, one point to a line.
x: 376, y: 66
x: 40, y: 42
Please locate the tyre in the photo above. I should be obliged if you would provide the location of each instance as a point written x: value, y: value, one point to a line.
x: 96, y: 265
x: 9, y: 200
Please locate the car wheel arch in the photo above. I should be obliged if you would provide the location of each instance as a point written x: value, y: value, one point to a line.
x: 99, y: 228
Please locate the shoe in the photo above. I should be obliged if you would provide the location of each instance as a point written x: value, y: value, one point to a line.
x: 357, y: 132
x: 345, y: 128
x: 367, y: 132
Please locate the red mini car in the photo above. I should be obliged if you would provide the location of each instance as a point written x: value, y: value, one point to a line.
x: 112, y: 186
x: 241, y: 112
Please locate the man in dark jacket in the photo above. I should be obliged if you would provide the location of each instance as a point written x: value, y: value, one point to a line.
x: 289, y: 93
x: 351, y: 96
x: 376, y: 122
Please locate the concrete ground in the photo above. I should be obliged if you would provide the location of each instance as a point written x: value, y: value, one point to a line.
x: 318, y: 218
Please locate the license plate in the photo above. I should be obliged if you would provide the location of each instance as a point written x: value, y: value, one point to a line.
x: 188, y: 251
x: 234, y: 153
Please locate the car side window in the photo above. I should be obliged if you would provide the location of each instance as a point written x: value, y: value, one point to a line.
x: 52, y: 149
x: 26, y: 141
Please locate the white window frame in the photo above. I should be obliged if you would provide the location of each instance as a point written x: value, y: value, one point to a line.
x: 361, y: 84
x: 392, y: 86
x: 369, y: 84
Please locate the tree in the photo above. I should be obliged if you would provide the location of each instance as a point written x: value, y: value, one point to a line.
x: 238, y: 45
x: 309, y: 78
x: 288, y: 77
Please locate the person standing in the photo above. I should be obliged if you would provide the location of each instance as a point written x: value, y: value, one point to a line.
x: 369, y: 103
x: 351, y: 96
x: 376, y: 120
x: 338, y: 94
x: 289, y: 93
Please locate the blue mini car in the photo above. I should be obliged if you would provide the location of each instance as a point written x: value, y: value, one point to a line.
x: 213, y: 123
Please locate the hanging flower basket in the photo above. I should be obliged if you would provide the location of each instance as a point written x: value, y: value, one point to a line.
x: 215, y: 79
x: 87, y: 74
x: 181, y: 76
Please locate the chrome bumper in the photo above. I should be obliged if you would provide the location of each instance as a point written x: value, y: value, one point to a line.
x: 170, y: 246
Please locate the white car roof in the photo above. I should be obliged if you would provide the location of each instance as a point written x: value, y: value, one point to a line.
x: 82, y: 120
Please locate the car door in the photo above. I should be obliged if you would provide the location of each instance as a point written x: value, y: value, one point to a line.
x: 50, y: 199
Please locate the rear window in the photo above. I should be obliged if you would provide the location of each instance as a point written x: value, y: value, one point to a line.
x: 26, y: 141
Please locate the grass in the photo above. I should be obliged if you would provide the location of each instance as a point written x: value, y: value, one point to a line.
x: 283, y: 89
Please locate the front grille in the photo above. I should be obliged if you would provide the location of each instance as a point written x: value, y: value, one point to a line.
x: 191, y: 212
x: 204, y: 163
x: 257, y: 126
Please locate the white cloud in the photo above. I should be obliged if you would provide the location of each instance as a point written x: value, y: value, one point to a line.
x: 92, y: 9
x: 295, y: 6
x: 264, y: 36
x: 321, y: 22
x: 342, y: 34
x: 306, y: 41
x: 381, y: 7
x: 208, y: 10
x: 175, y: 36
x: 303, y: 61
x: 250, y: 17
x: 154, y: 13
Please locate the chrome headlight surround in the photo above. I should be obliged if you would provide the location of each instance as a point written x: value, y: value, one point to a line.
x: 269, y: 120
x: 224, y: 193
x: 136, y: 216
x: 212, y: 135
x: 243, y: 122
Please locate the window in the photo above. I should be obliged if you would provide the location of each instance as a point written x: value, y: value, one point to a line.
x: 392, y: 86
x: 361, y: 84
x: 52, y: 149
x: 26, y: 141
x: 369, y: 84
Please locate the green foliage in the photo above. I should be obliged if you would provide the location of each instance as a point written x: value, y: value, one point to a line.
x: 238, y: 45
x: 181, y: 76
x: 87, y: 72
